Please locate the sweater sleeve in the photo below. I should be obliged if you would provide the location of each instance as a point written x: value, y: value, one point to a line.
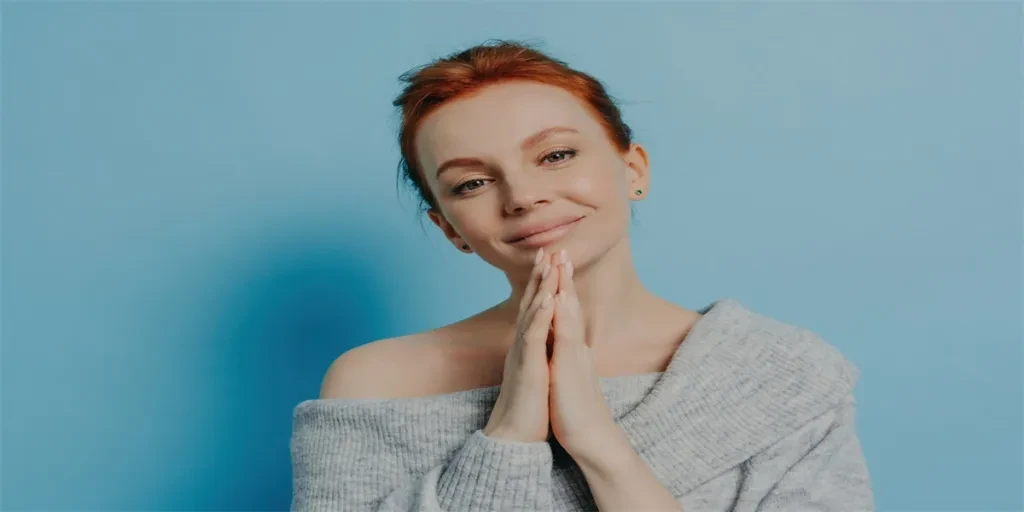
x: 344, y: 460
x: 830, y: 473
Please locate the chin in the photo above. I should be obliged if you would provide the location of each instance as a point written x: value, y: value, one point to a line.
x: 577, y: 250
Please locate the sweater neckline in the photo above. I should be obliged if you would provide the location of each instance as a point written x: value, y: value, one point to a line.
x: 697, y: 342
x: 738, y: 383
x: 482, y: 394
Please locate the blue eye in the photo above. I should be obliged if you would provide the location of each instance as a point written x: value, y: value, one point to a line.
x: 565, y: 154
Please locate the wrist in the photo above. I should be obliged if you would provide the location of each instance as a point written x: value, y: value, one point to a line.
x: 607, y: 454
x: 498, y: 433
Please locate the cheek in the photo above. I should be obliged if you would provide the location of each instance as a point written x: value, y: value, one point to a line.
x: 594, y: 185
x: 472, y: 225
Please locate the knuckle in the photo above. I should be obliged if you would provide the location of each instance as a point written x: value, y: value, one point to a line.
x: 520, y: 334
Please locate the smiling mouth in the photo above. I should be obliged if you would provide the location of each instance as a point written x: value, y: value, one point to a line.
x: 547, y: 236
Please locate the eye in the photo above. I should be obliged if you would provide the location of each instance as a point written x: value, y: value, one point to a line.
x: 558, y: 156
x: 468, y: 186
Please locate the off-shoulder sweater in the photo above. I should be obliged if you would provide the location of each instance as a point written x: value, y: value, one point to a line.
x: 751, y: 414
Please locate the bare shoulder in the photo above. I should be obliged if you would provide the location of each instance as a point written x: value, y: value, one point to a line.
x: 427, y: 363
x: 379, y: 369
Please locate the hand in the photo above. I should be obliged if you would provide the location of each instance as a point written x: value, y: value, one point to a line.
x: 580, y: 417
x: 521, y: 410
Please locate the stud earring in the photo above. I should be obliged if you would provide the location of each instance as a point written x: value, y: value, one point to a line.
x: 638, y: 191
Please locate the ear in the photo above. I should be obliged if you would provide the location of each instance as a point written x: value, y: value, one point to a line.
x: 637, y: 172
x: 449, y: 232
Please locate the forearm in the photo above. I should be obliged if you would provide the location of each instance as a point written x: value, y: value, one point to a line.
x: 619, y: 479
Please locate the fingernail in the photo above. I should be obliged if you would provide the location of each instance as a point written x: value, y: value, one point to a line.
x: 540, y: 254
x: 568, y: 268
x: 547, y: 267
x: 563, y: 256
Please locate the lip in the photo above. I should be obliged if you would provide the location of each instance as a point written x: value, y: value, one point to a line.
x: 541, y: 234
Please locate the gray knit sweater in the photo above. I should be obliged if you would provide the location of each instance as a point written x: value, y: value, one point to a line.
x: 750, y: 415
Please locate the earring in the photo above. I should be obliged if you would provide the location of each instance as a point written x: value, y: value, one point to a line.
x: 465, y: 247
x: 639, y: 191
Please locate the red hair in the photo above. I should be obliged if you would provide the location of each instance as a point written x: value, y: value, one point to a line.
x: 466, y: 72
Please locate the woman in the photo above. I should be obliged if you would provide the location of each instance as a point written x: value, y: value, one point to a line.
x: 582, y: 390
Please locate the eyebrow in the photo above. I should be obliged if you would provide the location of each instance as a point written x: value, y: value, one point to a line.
x: 526, y: 144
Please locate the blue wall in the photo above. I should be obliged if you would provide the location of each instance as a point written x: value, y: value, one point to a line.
x: 200, y: 212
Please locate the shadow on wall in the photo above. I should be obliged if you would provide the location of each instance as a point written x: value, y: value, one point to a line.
x: 294, y: 309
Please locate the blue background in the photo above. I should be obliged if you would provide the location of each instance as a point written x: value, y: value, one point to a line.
x: 200, y: 212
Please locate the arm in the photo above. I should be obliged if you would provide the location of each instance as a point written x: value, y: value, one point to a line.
x: 619, y: 479
x: 356, y: 454
x: 339, y: 470
x: 485, y: 474
x: 818, y: 468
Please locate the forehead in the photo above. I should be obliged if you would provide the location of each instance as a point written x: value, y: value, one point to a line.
x: 496, y: 119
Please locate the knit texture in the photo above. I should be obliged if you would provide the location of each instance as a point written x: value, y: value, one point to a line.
x: 751, y: 414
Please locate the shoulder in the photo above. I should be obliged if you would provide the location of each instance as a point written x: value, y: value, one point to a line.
x: 779, y: 348
x: 379, y: 369
x: 443, y: 360
x: 775, y: 364
x: 769, y: 379
x: 794, y: 350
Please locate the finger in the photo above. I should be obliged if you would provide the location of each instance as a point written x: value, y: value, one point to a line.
x: 535, y: 338
x: 547, y: 288
x: 565, y: 281
x: 549, y: 282
x: 539, y: 262
x: 567, y: 326
x: 563, y: 325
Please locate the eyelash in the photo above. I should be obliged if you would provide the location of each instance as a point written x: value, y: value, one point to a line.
x: 567, y: 151
x: 570, y: 154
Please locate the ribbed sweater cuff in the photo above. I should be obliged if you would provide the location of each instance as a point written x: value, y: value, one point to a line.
x: 488, y: 474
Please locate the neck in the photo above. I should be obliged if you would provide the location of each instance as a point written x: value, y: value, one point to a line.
x: 612, y: 298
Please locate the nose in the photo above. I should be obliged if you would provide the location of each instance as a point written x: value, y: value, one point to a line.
x: 523, y: 194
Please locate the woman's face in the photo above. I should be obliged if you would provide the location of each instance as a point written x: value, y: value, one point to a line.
x: 522, y: 157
